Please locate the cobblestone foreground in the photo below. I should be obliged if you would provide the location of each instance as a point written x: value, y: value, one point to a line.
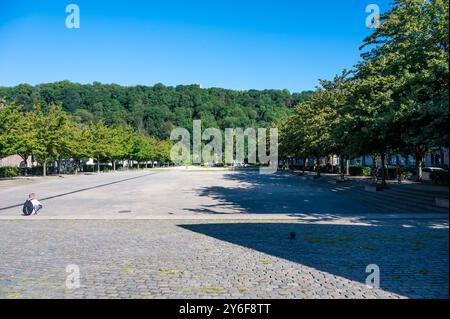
x: 218, y: 259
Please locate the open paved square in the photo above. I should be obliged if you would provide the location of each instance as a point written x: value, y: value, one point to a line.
x: 209, y: 234
x: 178, y: 194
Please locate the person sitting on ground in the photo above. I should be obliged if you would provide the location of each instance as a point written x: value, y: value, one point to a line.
x: 32, y: 205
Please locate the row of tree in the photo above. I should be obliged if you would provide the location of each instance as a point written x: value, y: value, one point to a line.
x: 157, y: 109
x: 53, y: 134
x: 396, y: 99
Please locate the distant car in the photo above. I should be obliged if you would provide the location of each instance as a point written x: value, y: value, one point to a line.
x: 426, y: 172
x: 432, y: 169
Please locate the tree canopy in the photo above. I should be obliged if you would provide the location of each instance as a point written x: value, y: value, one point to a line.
x: 157, y: 109
x: 395, y: 99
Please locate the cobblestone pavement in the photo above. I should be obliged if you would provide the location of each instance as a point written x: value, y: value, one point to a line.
x: 216, y: 259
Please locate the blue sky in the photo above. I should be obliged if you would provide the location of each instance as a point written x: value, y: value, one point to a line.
x: 234, y: 44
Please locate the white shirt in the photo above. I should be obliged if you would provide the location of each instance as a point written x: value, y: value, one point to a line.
x: 35, y: 202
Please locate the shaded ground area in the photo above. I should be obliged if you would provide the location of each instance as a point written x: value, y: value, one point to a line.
x: 168, y: 259
x: 254, y: 193
x: 412, y: 257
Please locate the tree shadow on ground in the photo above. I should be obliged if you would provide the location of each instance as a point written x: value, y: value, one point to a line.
x: 413, y: 258
x: 275, y: 194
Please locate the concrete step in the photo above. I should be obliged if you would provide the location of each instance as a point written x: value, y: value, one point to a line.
x: 416, y: 192
x: 390, y: 200
x: 416, y: 202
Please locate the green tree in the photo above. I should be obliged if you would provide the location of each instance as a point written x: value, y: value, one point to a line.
x: 123, y: 143
x: 408, y: 61
x: 18, y: 133
x: 100, y: 142
x: 78, y: 144
x: 143, y: 150
x: 52, y: 133
x: 10, y: 116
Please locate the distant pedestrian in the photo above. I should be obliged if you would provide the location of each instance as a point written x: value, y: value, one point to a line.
x: 398, y: 172
x: 374, y: 173
x: 31, y: 205
x: 23, y: 168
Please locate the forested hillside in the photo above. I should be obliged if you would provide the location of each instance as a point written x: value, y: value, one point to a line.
x: 157, y: 109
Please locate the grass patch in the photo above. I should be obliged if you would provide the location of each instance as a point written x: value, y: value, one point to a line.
x: 423, y: 271
x: 168, y: 271
x: 264, y: 262
x: 371, y: 249
x: 212, y: 289
x: 14, y: 296
x: 129, y: 270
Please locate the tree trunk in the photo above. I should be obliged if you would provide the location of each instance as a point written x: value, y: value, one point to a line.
x: 318, y: 165
x: 304, y: 164
x: 26, y: 165
x: 114, y: 165
x: 58, y: 171
x: 342, y: 161
x: 347, y: 166
x: 330, y: 162
x: 383, y: 166
x: 44, y: 168
x: 419, y: 158
x: 98, y: 165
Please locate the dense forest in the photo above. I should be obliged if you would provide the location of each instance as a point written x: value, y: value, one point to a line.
x: 157, y: 109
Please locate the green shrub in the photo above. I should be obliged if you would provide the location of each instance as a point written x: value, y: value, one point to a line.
x: 9, y: 171
x: 406, y: 175
x: 37, y: 170
x: 366, y: 171
x: 359, y: 170
x: 439, y: 177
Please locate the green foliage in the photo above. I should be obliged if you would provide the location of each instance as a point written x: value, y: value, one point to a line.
x: 156, y: 109
x: 359, y: 170
x: 9, y: 171
x: 51, y: 133
x: 9, y: 116
x: 18, y: 134
x: 52, y: 129
x: 395, y: 99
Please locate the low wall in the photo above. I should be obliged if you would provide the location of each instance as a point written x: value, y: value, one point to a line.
x: 13, y: 161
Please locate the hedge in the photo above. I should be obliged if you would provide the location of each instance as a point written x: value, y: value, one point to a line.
x: 9, y: 171
x: 359, y: 170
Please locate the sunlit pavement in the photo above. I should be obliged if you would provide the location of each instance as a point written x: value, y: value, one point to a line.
x: 174, y: 238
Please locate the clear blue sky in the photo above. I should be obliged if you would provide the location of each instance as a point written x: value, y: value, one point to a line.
x: 235, y: 44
